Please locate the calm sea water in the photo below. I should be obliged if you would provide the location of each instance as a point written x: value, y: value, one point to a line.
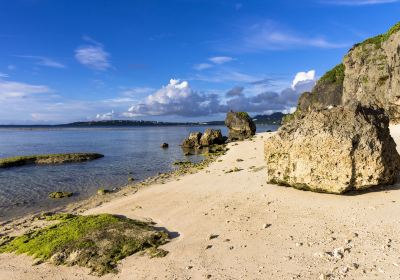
x: 129, y: 152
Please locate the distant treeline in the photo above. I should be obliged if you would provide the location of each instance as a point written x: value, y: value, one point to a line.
x: 274, y: 118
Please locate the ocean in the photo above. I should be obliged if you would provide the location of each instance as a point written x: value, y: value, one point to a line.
x: 129, y: 152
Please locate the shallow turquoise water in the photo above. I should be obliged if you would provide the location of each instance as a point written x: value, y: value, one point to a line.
x: 131, y: 151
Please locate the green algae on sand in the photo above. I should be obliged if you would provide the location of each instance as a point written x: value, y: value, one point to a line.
x: 95, y: 241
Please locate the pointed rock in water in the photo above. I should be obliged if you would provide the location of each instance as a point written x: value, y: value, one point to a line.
x: 211, y: 137
x: 193, y: 141
x: 333, y: 150
x: 240, y: 126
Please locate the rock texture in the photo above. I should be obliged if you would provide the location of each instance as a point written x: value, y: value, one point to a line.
x: 193, y: 141
x: 369, y: 74
x: 240, y: 126
x: 333, y: 150
x: 211, y: 137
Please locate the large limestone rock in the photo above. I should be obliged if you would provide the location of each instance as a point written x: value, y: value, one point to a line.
x: 369, y: 74
x: 333, y: 150
x: 240, y: 125
x: 211, y: 137
x: 193, y: 141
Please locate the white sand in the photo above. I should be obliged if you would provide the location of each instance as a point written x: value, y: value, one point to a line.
x: 301, y: 228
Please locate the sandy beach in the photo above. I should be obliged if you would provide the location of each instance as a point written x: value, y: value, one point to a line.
x: 233, y: 225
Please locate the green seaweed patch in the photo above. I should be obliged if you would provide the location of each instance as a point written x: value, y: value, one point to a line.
x: 58, y: 195
x: 48, y: 159
x: 98, y: 242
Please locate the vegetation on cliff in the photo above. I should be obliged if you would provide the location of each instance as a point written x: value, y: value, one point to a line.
x: 335, y: 75
x: 96, y: 241
x: 378, y: 40
x: 48, y: 159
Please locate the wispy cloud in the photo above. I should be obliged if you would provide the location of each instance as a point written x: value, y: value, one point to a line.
x: 202, y: 66
x: 269, y: 36
x: 93, y: 56
x: 220, y: 59
x: 216, y: 60
x: 44, y: 61
x: 12, y: 90
x: 227, y: 75
x: 357, y: 2
x: 3, y: 75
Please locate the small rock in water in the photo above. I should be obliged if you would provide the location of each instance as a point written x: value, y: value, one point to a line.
x: 131, y: 179
x: 164, y: 145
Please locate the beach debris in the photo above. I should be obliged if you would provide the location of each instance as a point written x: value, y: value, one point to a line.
x: 266, y: 226
x: 239, y: 160
x: 334, y: 151
x: 213, y: 236
x: 236, y: 169
x: 240, y: 126
x: 58, y: 195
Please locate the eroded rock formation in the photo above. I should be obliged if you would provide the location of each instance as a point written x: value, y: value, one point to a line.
x: 333, y: 150
x: 240, y: 125
x: 368, y: 74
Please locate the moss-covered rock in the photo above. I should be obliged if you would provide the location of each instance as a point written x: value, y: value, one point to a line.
x: 98, y: 242
x: 57, y: 195
x: 48, y: 159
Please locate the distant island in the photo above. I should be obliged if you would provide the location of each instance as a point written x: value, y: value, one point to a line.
x: 273, y: 119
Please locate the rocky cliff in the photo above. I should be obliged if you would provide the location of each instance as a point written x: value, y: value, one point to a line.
x: 369, y: 74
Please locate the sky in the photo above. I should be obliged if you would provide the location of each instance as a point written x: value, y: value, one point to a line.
x: 172, y: 60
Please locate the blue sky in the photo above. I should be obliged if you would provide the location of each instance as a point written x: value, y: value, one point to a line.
x: 180, y: 60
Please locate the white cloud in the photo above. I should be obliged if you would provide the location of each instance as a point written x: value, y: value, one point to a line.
x: 106, y: 116
x: 220, y: 59
x: 273, y: 101
x: 176, y: 98
x: 3, y: 75
x: 44, y: 61
x: 11, y: 67
x: 303, y: 77
x: 202, y: 66
x: 93, y: 56
x: 357, y: 2
x: 12, y: 90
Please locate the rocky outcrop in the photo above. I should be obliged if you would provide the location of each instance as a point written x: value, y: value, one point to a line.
x: 333, y: 150
x: 369, y: 74
x: 193, y: 141
x: 211, y: 137
x: 240, y: 125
